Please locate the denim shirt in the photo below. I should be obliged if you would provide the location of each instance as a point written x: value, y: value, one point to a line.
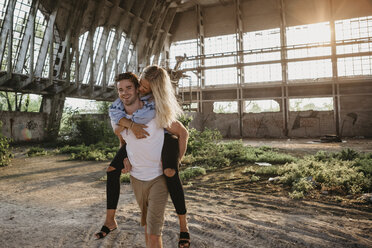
x: 141, y: 116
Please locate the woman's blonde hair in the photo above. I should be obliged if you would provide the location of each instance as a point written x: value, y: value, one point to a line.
x: 166, y: 105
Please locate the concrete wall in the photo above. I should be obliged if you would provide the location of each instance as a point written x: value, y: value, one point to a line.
x: 227, y: 124
x: 356, y: 116
x: 311, y: 124
x: 24, y: 126
x: 302, y: 124
x: 263, y: 125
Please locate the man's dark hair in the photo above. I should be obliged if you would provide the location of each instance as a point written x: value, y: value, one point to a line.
x: 127, y: 75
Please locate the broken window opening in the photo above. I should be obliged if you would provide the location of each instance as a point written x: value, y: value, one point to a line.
x: 305, y: 104
x: 225, y: 107
x: 260, y: 106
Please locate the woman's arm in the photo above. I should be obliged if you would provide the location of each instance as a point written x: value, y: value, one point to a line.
x: 181, y: 132
x: 137, y: 129
x: 117, y: 130
x: 121, y: 140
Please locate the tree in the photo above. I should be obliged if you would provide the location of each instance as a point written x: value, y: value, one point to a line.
x: 15, y: 101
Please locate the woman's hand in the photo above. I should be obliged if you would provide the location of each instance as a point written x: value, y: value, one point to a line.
x: 139, y: 130
x: 127, y: 166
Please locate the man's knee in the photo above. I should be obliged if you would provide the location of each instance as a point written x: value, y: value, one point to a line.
x: 169, y: 172
x: 154, y: 240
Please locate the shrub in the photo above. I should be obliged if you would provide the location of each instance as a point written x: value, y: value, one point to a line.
x: 347, y: 155
x: 191, y: 172
x: 36, y: 151
x: 254, y: 178
x: 95, y: 155
x: 336, y: 175
x: 203, y: 143
x: 73, y: 149
x: 185, y: 120
x: 87, y: 129
x: 235, y: 151
x: 125, y: 178
x: 249, y: 170
x: 96, y: 152
x: 268, y: 170
x: 211, y: 162
x: 296, y: 195
x: 5, y: 154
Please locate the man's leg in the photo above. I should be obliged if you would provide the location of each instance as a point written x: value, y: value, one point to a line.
x: 152, y: 240
x: 157, y: 201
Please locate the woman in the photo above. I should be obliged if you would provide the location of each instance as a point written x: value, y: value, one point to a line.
x: 156, y: 86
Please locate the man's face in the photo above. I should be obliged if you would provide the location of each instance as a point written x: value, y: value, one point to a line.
x: 128, y: 94
x: 145, y: 87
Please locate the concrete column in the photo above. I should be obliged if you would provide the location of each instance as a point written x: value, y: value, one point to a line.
x: 53, y: 106
x: 240, y: 60
x: 283, y: 41
x: 207, y: 107
x: 201, y: 52
x: 335, y: 85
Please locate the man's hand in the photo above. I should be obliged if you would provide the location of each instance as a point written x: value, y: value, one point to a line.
x: 127, y: 166
x: 139, y: 130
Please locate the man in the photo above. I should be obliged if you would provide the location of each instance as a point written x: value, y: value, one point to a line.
x: 147, y: 178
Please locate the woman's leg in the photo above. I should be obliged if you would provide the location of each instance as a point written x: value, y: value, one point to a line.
x: 113, y: 187
x: 113, y: 178
x: 170, y: 154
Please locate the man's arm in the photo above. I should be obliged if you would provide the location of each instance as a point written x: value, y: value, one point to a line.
x: 181, y: 132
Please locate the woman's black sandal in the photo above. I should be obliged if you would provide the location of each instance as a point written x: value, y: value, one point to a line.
x: 105, y: 230
x: 184, y: 240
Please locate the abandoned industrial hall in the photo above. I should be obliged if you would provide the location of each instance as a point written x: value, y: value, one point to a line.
x: 249, y: 68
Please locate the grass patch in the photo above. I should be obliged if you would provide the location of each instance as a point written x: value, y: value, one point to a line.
x: 95, y: 152
x: 124, y: 178
x: 36, y: 151
x: 268, y: 170
x: 345, y: 172
x: 191, y: 172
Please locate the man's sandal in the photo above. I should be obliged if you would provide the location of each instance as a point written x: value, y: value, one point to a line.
x: 184, y: 240
x: 104, y: 230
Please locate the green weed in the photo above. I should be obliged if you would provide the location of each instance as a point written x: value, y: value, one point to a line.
x: 36, y: 151
x: 192, y: 172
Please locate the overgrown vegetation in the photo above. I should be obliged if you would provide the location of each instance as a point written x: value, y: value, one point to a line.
x: 98, y: 152
x: 345, y: 172
x: 36, y: 151
x: 85, y: 129
x: 5, y: 154
x: 205, y: 149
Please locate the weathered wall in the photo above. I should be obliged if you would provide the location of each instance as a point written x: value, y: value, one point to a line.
x: 227, y: 124
x: 24, y: 126
x: 310, y: 124
x: 263, y: 125
x: 303, y: 124
x: 356, y: 116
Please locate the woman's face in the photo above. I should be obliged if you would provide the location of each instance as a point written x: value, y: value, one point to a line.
x: 145, y: 87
